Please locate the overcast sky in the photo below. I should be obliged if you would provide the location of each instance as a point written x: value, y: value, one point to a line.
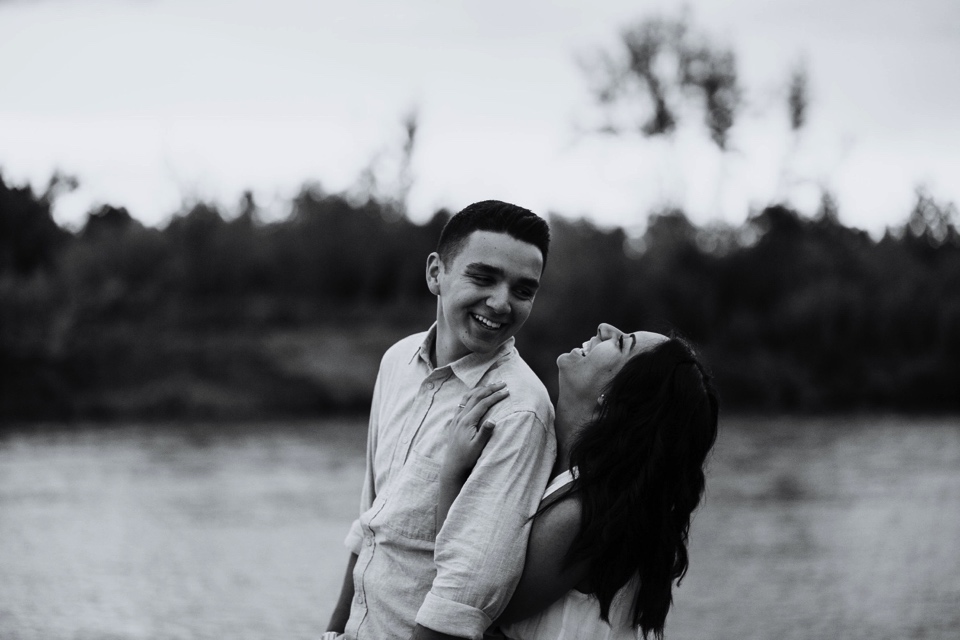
x: 151, y: 102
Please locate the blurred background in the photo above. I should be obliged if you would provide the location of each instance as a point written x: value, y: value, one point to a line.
x: 214, y: 218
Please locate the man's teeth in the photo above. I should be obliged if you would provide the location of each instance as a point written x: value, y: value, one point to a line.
x: 487, y: 323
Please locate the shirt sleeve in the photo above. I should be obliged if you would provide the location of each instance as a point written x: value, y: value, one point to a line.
x: 354, y: 539
x: 481, y: 548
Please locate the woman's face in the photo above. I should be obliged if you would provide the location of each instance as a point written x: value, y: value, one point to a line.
x: 587, y: 369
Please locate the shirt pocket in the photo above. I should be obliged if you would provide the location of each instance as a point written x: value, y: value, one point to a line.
x: 411, y: 509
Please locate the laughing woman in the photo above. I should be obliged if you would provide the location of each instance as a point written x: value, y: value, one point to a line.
x: 636, y: 417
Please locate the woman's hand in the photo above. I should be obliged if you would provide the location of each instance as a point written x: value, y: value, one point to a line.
x: 469, y: 432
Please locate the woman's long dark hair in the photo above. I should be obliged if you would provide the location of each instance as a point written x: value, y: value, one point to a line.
x: 640, y: 463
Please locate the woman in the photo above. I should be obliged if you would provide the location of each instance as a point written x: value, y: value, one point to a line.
x: 636, y: 417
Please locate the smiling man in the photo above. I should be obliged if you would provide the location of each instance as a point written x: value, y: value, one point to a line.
x: 405, y: 579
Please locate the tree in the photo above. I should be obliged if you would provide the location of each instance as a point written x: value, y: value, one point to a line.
x: 388, y: 177
x: 660, y: 64
x: 798, y: 97
x: 931, y: 221
x: 29, y: 237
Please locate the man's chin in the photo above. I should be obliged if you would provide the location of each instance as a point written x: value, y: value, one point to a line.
x: 484, y: 347
x: 485, y: 341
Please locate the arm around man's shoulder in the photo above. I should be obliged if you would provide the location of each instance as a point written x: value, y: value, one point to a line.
x: 480, y: 549
x: 527, y: 394
x: 546, y: 575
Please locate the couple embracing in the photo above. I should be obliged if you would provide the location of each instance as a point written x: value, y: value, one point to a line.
x: 484, y: 511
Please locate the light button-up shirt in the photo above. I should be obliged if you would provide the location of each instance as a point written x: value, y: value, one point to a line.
x: 459, y: 579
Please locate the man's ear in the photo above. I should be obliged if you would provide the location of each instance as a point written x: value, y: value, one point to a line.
x: 433, y: 273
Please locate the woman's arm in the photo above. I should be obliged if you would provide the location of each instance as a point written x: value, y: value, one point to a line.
x: 469, y: 434
x: 545, y: 579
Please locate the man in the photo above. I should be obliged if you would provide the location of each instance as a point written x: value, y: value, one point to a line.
x: 404, y: 578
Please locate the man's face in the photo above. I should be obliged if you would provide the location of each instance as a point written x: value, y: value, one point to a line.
x: 484, y: 295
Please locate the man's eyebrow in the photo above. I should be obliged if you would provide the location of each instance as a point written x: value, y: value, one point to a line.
x: 488, y: 269
x: 483, y: 267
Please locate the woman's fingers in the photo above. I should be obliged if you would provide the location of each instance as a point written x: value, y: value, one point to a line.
x: 477, y: 396
x: 471, y: 399
x: 469, y: 431
x: 484, y: 433
x: 475, y: 414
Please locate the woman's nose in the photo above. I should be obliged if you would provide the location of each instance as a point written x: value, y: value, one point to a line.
x: 606, y: 331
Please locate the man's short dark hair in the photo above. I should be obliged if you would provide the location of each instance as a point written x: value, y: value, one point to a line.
x: 496, y: 216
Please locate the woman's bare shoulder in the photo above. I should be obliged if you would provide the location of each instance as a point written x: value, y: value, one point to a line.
x: 546, y: 574
x: 559, y: 520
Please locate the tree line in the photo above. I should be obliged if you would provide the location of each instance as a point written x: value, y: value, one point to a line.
x: 794, y: 313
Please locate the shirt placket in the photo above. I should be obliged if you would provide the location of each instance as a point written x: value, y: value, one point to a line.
x: 426, y: 395
x: 424, y: 401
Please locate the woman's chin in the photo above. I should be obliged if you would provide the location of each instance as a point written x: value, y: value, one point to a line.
x: 566, y: 357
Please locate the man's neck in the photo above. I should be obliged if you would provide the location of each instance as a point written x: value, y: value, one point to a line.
x: 440, y: 354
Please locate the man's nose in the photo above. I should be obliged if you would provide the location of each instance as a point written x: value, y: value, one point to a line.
x: 499, y: 300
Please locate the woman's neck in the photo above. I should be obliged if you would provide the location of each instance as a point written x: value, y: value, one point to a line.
x: 562, y: 462
x: 570, y: 416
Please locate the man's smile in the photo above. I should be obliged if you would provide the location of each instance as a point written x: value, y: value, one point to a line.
x: 484, y: 293
x: 486, y: 322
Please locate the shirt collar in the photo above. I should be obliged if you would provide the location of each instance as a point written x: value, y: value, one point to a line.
x: 471, y: 367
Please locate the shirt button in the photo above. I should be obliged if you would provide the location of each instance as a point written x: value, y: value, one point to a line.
x: 368, y: 541
x: 430, y: 385
x: 359, y: 598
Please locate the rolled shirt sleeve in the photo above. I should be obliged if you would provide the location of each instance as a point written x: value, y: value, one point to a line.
x: 481, y: 548
x: 354, y: 540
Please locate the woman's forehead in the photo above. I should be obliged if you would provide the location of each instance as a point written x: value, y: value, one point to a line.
x: 648, y: 339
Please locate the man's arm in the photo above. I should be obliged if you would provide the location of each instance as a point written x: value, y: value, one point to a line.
x: 341, y: 613
x: 469, y: 434
x: 480, y: 549
x: 423, y: 633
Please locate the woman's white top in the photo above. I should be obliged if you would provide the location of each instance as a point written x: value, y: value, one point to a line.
x: 576, y: 615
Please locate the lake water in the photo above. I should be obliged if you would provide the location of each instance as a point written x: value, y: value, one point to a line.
x: 833, y: 529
